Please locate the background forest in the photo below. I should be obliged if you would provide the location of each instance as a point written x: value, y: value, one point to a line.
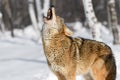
x: 18, y: 14
x: 68, y: 9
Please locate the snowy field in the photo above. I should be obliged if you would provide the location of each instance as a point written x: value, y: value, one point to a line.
x: 21, y: 58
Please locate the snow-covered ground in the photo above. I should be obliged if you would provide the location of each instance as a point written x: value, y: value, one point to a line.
x: 22, y: 57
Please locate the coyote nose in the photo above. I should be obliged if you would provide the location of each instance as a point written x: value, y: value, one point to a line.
x: 52, y: 6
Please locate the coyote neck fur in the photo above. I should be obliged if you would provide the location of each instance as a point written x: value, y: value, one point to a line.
x: 60, y: 45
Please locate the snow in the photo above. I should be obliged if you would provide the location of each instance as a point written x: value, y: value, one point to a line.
x: 22, y: 57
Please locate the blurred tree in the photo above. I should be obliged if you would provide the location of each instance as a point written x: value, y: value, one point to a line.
x: 8, y: 11
x: 46, y: 6
x: 39, y: 10
x: 92, y: 19
x: 113, y: 21
x: 33, y: 16
x: 2, y: 26
x: 19, y: 9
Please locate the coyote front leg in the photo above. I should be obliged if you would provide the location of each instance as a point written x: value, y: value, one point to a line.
x: 60, y: 76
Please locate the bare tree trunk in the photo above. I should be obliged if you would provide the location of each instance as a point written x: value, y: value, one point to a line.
x: 9, y: 13
x: 39, y: 10
x: 114, y: 21
x: 2, y: 23
x: 33, y: 17
x: 46, y: 6
x: 119, y: 4
x: 39, y: 13
x: 109, y: 17
x: 92, y: 20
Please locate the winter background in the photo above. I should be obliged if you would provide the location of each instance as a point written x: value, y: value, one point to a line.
x: 22, y: 56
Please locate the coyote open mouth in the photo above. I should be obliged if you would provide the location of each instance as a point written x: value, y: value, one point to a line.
x: 49, y: 14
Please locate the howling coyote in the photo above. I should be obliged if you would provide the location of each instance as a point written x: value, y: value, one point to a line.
x: 68, y: 57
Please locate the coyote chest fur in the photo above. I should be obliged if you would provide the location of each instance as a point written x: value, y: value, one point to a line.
x: 68, y: 57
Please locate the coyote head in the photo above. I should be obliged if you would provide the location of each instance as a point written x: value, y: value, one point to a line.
x: 54, y: 24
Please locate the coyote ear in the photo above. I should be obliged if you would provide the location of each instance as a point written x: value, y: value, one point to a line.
x: 67, y: 31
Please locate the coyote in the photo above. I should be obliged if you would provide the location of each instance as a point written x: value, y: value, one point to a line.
x: 68, y: 57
